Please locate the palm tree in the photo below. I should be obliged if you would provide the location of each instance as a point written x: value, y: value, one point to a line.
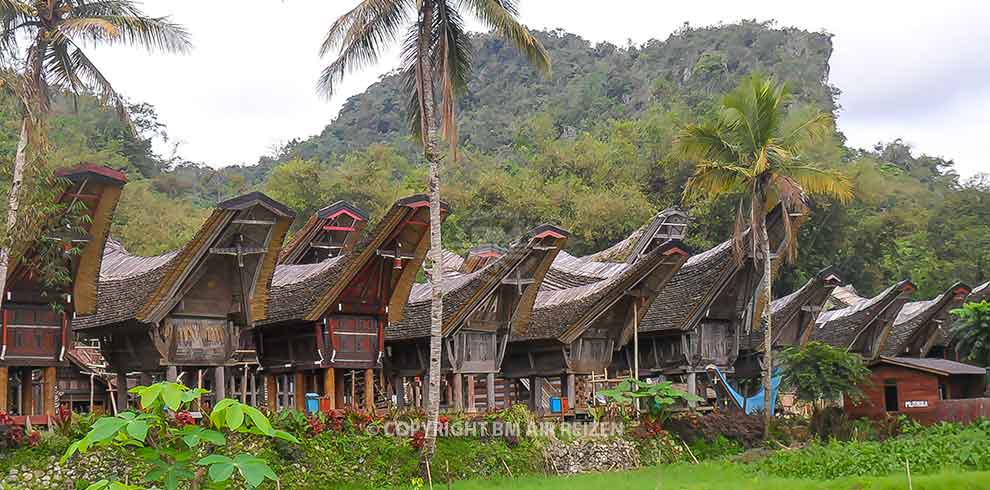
x: 971, y: 332
x: 55, y: 32
x: 436, y: 55
x: 752, y: 150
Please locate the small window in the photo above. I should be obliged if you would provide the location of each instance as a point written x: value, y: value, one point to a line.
x: 890, y: 395
x: 942, y: 392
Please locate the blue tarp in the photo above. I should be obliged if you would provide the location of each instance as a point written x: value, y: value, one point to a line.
x: 754, y: 403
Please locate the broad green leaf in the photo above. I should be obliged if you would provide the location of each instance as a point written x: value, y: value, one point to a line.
x: 221, y: 471
x: 70, y: 451
x: 259, y: 420
x: 285, y: 436
x: 172, y: 396
x: 138, y: 429
x: 214, y: 459
x: 150, y: 395
x: 104, y: 429
x: 235, y: 416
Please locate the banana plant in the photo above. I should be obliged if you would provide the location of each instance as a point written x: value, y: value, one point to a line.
x: 659, y: 396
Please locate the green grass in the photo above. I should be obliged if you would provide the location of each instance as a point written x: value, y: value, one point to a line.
x: 724, y: 476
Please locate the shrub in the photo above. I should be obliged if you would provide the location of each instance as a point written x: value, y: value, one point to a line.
x: 747, y: 430
x: 928, y: 449
x: 718, y: 448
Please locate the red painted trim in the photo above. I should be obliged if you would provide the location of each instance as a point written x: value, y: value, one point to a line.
x: 418, y: 204
x: 381, y: 336
x: 549, y: 233
x: 676, y: 251
x: 339, y: 228
x: 908, y: 288
x: 344, y: 211
x: 961, y: 293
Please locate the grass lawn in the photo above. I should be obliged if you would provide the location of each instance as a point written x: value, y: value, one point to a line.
x: 723, y: 476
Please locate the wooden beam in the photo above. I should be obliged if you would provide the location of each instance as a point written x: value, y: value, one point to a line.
x: 338, y: 395
x: 369, y: 390
x: 271, y: 392
x: 27, y: 392
x: 490, y: 391
x: 330, y: 387
x: 457, y: 403
x: 4, y: 388
x: 471, y: 407
x: 300, y: 391
x: 219, y: 384
x: 121, y: 391
x: 48, y: 408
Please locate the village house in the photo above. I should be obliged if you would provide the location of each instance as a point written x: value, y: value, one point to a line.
x: 487, y: 296
x: 38, y: 317
x: 333, y: 295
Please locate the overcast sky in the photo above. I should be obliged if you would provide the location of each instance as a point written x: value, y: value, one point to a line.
x: 919, y: 72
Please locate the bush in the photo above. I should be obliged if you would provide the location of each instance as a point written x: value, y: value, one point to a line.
x: 747, y: 430
x: 928, y: 449
x: 718, y: 448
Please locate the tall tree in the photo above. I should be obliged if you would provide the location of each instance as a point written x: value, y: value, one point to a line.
x: 752, y: 150
x: 971, y: 332
x: 436, y: 56
x: 53, y: 61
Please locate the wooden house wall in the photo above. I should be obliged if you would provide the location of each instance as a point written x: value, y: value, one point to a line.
x: 34, y: 335
x: 912, y: 385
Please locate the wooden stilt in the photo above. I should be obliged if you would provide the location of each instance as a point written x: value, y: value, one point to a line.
x: 490, y: 391
x: 470, y: 394
x: 121, y: 391
x: 300, y: 391
x: 27, y: 391
x: 569, y: 382
x: 338, y: 374
x: 457, y: 404
x: 400, y: 392
x: 330, y: 387
x: 219, y: 384
x: 692, y: 387
x: 536, y: 394
x: 449, y: 384
x: 252, y: 380
x: 171, y: 374
x: 271, y: 392
x: 48, y: 399
x: 4, y: 388
x: 369, y: 390
x: 354, y: 401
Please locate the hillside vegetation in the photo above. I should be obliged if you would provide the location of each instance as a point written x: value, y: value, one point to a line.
x: 589, y: 149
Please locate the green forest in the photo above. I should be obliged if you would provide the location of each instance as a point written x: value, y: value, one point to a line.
x: 589, y: 149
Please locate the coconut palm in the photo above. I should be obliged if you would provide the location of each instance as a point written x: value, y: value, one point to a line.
x: 436, y: 55
x: 41, y: 52
x: 971, y: 332
x: 752, y: 151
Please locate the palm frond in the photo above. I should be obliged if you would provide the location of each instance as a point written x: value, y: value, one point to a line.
x: 361, y: 36
x: 713, y: 179
x: 131, y: 26
x: 755, y: 106
x: 707, y: 142
x: 15, y: 16
x: 828, y: 183
x: 805, y: 126
x: 500, y: 16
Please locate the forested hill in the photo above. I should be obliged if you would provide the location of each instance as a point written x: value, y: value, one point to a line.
x: 590, y: 83
x: 589, y: 149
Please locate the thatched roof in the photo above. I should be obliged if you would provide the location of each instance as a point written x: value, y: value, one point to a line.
x: 843, y: 327
x: 305, y: 292
x: 809, y: 297
x: 136, y: 288
x: 923, y: 318
x: 563, y: 314
x: 465, y: 292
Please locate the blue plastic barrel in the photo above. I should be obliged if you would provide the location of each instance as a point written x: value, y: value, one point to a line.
x: 555, y: 404
x: 312, y: 402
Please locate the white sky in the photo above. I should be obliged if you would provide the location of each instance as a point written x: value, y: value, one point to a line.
x: 915, y: 70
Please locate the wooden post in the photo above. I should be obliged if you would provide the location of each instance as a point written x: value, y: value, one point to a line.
x: 339, y: 395
x: 4, y: 388
x: 536, y: 394
x: 48, y: 408
x: 300, y: 391
x: 400, y: 392
x: 692, y: 387
x: 171, y: 374
x: 252, y: 380
x: 219, y: 384
x: 369, y: 390
x: 490, y: 391
x: 424, y: 391
x: 330, y: 387
x: 271, y: 392
x: 354, y: 402
x: 457, y: 404
x: 92, y: 394
x: 568, y: 383
x: 121, y: 391
x: 27, y: 391
x: 471, y: 407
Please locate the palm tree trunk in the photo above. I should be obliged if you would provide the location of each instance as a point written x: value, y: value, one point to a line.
x: 435, y: 254
x: 13, y: 201
x: 767, y: 327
